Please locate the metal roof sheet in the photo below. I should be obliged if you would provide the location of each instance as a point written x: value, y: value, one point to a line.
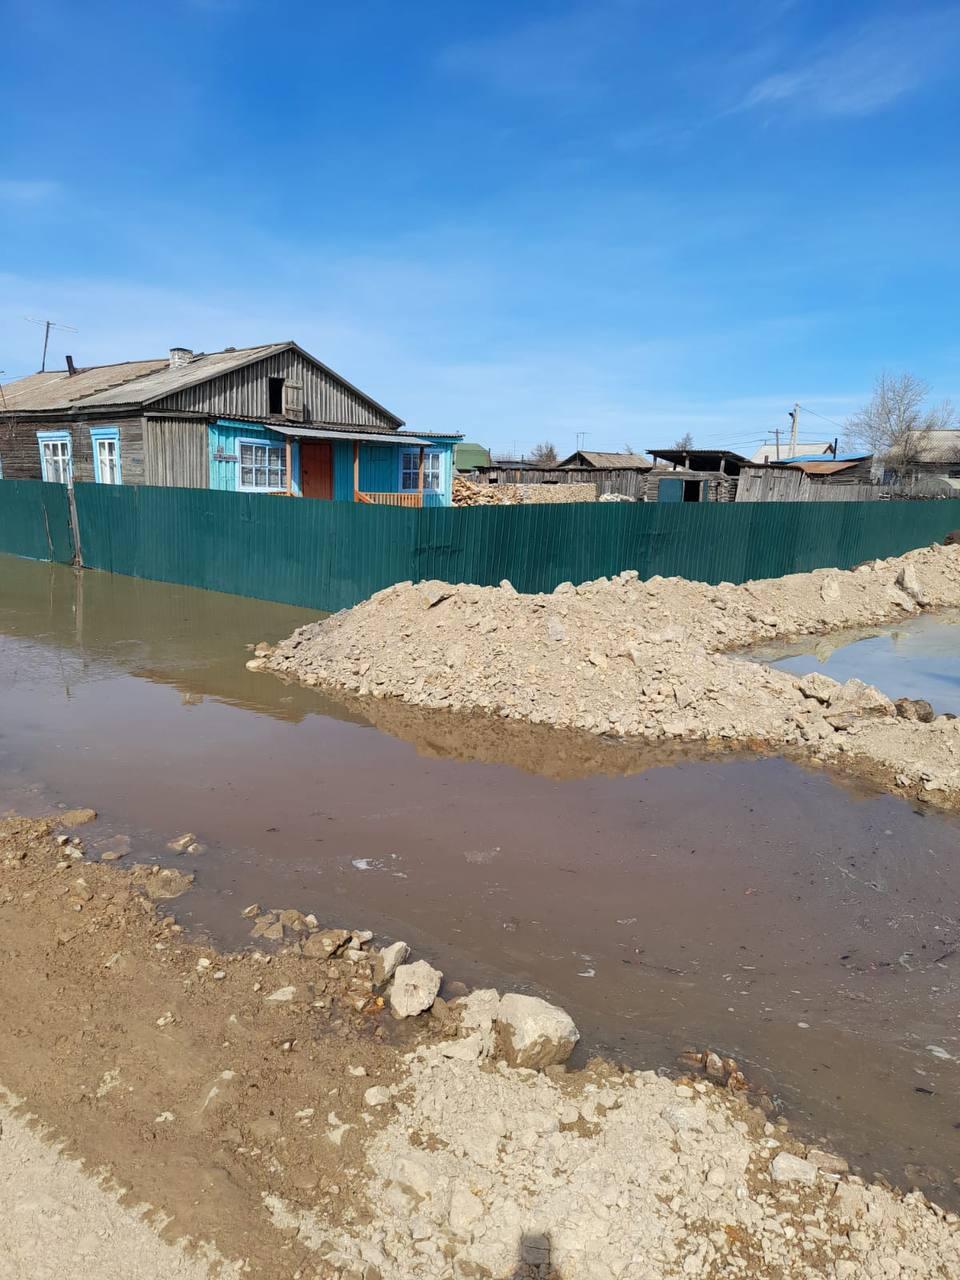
x: 817, y: 467
x: 58, y: 389
x: 344, y: 433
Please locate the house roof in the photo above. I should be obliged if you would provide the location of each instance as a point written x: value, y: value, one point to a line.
x: 771, y: 451
x: 678, y: 455
x: 819, y: 468
x: 57, y: 389
x: 849, y: 458
x: 142, y: 382
x: 618, y: 460
x: 468, y: 456
x: 937, y: 446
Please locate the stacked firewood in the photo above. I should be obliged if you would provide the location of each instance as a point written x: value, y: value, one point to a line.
x: 468, y: 494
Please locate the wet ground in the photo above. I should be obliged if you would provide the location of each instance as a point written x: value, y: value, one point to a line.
x: 808, y: 928
x: 916, y: 658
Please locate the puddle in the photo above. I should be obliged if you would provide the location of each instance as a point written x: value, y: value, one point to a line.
x: 916, y: 658
x: 807, y: 927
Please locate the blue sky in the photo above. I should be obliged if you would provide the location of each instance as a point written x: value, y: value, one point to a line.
x: 521, y: 221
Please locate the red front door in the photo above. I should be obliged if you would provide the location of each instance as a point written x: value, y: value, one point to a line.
x: 316, y: 469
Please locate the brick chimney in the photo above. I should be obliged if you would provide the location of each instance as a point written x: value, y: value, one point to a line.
x: 179, y: 356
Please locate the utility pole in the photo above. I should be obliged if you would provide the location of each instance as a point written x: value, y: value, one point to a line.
x: 794, y: 419
x: 47, y: 326
x: 776, y: 432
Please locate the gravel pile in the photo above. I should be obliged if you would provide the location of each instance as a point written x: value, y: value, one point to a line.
x: 484, y: 1171
x: 648, y: 660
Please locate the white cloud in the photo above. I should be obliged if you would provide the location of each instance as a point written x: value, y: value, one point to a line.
x: 866, y: 72
x: 28, y: 191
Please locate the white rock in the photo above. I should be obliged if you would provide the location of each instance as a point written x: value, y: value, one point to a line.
x: 415, y: 987
x: 908, y: 580
x: 387, y: 961
x: 788, y: 1168
x: 466, y: 1210
x: 534, y: 1033
x: 469, y: 1049
x: 281, y: 995
x: 376, y: 1096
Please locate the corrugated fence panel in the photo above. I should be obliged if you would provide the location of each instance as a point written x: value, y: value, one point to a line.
x: 329, y: 555
x: 35, y: 520
x: 324, y: 555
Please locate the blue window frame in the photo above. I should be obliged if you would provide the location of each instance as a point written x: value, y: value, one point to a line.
x: 56, y: 456
x: 261, y: 466
x: 106, y: 455
x: 410, y: 466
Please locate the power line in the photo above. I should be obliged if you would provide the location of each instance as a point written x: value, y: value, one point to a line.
x: 825, y: 419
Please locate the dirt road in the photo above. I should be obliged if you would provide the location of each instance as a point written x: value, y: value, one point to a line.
x: 271, y: 1114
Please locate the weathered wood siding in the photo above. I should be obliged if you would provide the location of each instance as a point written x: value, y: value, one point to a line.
x: 245, y: 393
x: 175, y: 451
x: 762, y: 484
x: 20, y: 450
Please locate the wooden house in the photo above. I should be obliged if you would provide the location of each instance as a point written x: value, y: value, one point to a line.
x: 269, y: 419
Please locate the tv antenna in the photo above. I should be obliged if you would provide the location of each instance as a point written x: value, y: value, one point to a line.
x: 581, y: 437
x: 47, y: 326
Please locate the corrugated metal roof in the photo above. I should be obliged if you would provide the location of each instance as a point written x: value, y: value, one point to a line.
x: 770, y: 451
x: 345, y: 433
x: 144, y: 381
x: 936, y: 446
x: 57, y: 389
x: 619, y: 460
x: 819, y: 468
x: 201, y: 368
x: 816, y: 457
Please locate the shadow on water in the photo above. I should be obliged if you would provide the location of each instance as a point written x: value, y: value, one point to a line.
x: 809, y: 930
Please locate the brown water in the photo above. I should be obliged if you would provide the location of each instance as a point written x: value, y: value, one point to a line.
x: 806, y: 927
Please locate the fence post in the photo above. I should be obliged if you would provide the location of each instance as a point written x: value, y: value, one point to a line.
x: 74, y: 525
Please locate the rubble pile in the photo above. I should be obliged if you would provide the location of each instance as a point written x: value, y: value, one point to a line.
x: 650, y: 660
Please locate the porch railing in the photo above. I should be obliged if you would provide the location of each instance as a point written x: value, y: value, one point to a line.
x: 412, y: 499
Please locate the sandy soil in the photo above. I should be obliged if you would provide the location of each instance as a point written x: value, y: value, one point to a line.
x: 230, y: 1095
x: 653, y: 661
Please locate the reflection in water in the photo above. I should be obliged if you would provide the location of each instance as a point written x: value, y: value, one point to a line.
x: 916, y: 658
x: 812, y: 932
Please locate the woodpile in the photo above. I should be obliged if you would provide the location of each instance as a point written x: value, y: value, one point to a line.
x: 467, y: 494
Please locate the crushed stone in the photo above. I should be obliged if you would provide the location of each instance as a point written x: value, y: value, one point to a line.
x: 652, y: 660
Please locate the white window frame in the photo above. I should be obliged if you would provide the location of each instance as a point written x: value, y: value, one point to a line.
x: 269, y: 445
x: 432, y: 470
x: 65, y: 460
x: 106, y: 436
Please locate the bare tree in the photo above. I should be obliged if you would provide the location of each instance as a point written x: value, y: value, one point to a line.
x: 544, y: 455
x: 629, y: 450
x: 685, y: 441
x: 897, y: 421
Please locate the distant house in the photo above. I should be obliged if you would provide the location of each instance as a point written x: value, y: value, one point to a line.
x: 845, y: 468
x: 782, y: 450
x: 270, y: 419
x: 926, y: 462
x: 468, y: 456
x: 589, y: 460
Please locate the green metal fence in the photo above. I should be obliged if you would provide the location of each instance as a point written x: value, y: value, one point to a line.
x: 35, y: 520
x: 329, y: 555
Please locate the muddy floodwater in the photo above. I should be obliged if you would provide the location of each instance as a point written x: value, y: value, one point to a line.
x: 916, y: 658
x: 808, y: 928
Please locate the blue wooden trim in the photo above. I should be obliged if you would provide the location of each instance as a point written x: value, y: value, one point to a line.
x: 415, y: 449
x: 105, y: 433
x: 43, y: 436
